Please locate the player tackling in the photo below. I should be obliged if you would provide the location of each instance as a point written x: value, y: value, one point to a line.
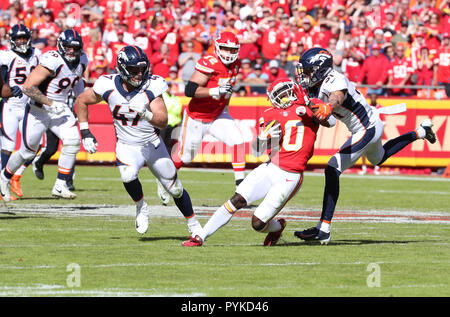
x: 341, y: 99
x: 135, y: 99
x: 288, y: 131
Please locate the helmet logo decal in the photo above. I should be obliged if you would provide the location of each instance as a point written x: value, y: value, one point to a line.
x: 321, y: 57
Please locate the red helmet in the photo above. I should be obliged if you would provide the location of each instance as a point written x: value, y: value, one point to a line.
x: 227, y: 47
x: 281, y: 93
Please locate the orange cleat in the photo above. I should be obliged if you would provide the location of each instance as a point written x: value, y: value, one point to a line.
x: 15, y: 186
x: 12, y: 198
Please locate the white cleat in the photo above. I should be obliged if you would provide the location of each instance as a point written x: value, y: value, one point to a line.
x: 60, y: 190
x: 4, y: 187
x: 142, y: 216
x: 430, y: 136
x: 163, y: 195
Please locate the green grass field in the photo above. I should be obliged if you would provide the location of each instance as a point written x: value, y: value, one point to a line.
x: 390, y: 238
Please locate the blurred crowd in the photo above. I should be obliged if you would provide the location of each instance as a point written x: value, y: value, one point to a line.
x: 386, y: 45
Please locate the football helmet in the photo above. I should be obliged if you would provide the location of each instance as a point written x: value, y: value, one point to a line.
x: 17, y: 32
x: 70, y: 45
x: 313, y: 66
x: 133, y: 65
x: 281, y: 93
x: 227, y: 47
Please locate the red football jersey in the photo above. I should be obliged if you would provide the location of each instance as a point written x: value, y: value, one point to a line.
x: 208, y: 109
x: 443, y: 61
x: 298, y: 137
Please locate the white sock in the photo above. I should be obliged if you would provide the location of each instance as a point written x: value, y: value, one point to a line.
x: 20, y: 170
x: 421, y: 132
x: 325, y: 227
x: 273, y: 226
x: 220, y: 218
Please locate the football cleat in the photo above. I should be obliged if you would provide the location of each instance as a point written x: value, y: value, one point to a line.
x: 273, y: 237
x: 60, y: 190
x: 15, y: 186
x: 142, y: 216
x: 38, y: 170
x: 4, y: 187
x: 314, y: 234
x: 193, y: 242
x: 430, y: 136
x: 163, y: 195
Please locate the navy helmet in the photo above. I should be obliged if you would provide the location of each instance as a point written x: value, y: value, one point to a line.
x: 70, y: 45
x: 16, y: 32
x: 313, y: 66
x: 133, y: 65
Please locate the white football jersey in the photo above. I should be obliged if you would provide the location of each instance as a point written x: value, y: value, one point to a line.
x: 130, y: 127
x: 355, y: 112
x: 65, y: 79
x: 17, y: 70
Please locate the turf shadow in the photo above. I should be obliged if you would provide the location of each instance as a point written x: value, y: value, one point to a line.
x: 150, y: 239
x: 347, y: 242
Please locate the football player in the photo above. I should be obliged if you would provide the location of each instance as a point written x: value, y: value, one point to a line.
x: 49, y: 85
x: 210, y: 89
x: 17, y: 63
x: 288, y: 131
x: 315, y: 74
x: 135, y: 99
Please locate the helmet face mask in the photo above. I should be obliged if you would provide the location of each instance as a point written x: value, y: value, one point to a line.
x: 314, y: 65
x: 20, y: 38
x: 133, y: 65
x: 227, y: 47
x: 70, y: 45
x: 281, y: 93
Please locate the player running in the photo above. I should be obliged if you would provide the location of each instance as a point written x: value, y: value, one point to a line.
x: 211, y: 87
x: 288, y: 131
x: 135, y: 99
x: 346, y: 103
x: 49, y: 85
x: 17, y: 63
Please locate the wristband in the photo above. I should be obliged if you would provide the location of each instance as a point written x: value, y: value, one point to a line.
x: 84, y: 126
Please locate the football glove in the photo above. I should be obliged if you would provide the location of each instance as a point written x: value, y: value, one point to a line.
x: 273, y: 130
x: 322, y: 111
x: 89, y: 141
x: 217, y: 92
x: 16, y: 91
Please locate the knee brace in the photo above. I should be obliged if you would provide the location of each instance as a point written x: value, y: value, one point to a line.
x: 70, y: 146
x: 127, y: 173
x: 176, y: 190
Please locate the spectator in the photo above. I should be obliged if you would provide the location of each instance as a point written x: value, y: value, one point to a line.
x: 402, y: 36
x: 212, y: 30
x: 162, y: 60
x: 272, y: 40
x: 353, y: 60
x: 192, y: 33
x: 177, y: 83
x: 442, y: 61
x: 51, y: 43
x: 246, y: 68
x: 114, y: 48
x: 174, y: 112
x: 187, y: 61
x: 425, y: 67
x: 100, y: 68
x: 275, y: 72
x: 47, y: 27
x: 248, y: 37
x: 400, y: 72
x: 257, y: 77
x: 36, y: 16
x: 287, y: 66
x: 374, y: 71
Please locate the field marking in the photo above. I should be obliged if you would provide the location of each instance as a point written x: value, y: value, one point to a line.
x: 367, y: 216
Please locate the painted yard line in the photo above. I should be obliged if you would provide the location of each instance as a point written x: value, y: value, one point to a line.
x: 291, y: 213
x: 112, y: 265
